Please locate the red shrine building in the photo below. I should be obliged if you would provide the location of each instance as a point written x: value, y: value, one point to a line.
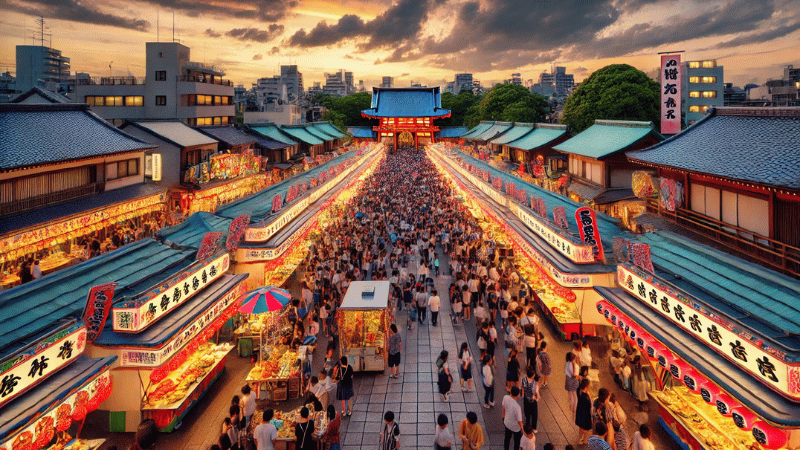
x: 406, y: 115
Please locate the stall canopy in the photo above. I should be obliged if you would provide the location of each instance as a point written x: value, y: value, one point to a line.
x: 299, y: 133
x: 171, y: 324
x: 450, y: 132
x: 319, y: 133
x: 750, y: 392
x: 329, y: 128
x: 228, y: 134
x: 362, y: 132
x: 190, y: 232
x: 543, y: 134
x: 272, y: 132
x: 758, y: 298
x: 492, y: 132
x: 42, y: 134
x: 27, y: 309
x: 478, y: 129
x: 176, y: 132
x: 607, y: 137
x: 516, y: 132
x: 50, y: 393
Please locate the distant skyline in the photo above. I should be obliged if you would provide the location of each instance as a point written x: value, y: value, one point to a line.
x: 426, y: 41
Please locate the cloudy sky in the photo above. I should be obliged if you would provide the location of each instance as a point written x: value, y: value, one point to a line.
x: 414, y: 40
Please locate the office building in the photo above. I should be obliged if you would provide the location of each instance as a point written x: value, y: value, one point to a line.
x: 41, y: 66
x: 175, y: 88
x: 463, y: 82
x: 703, y: 87
x: 780, y: 92
x: 387, y: 82
x: 335, y: 84
x: 293, y: 80
x: 516, y: 78
x: 556, y: 83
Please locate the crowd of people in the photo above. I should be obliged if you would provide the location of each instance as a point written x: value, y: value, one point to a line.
x: 406, y: 220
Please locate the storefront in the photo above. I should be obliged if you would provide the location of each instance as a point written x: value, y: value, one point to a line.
x: 364, y: 319
x: 724, y: 345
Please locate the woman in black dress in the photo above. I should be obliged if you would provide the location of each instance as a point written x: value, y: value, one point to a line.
x: 304, y: 431
x: 583, y: 413
x: 445, y: 379
x: 344, y: 391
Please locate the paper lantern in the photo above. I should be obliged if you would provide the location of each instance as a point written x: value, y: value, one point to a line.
x: 709, y: 392
x: 664, y: 357
x: 743, y: 418
x: 691, y: 380
x: 768, y: 436
x: 651, y: 348
x: 724, y: 404
x: 64, y: 423
x: 677, y: 368
x: 79, y: 413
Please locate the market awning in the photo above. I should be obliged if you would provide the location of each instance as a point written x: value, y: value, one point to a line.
x: 478, y: 129
x: 495, y: 130
x: 302, y: 135
x: 542, y: 135
x: 612, y: 195
x: 190, y: 232
x: 282, y: 165
x: 583, y: 191
x: 173, y: 323
x: 319, y: 133
x: 607, y: 137
x: 329, y: 129
x: 50, y: 394
x: 362, y: 132
x: 272, y: 132
x: 744, y: 388
x: 450, y: 132
x: 513, y: 134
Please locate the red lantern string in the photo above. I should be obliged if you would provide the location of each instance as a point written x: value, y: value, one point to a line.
x: 79, y: 413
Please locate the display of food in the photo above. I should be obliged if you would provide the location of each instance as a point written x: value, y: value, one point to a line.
x: 281, y: 363
x: 175, y: 386
x: 285, y: 421
x: 562, y: 310
x: 364, y: 329
x: 703, y: 420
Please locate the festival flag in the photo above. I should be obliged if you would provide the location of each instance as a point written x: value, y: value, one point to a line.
x: 98, y: 305
x: 640, y: 255
x: 209, y: 245
x: 560, y: 217
x: 236, y: 231
x: 590, y: 233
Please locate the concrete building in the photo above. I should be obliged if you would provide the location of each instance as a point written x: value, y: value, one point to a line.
x: 387, y: 82
x: 516, y: 78
x: 780, y: 92
x: 463, y: 82
x: 8, y: 87
x: 41, y: 66
x: 175, y: 88
x: 556, y: 83
x: 703, y: 87
x: 335, y: 84
x: 293, y: 80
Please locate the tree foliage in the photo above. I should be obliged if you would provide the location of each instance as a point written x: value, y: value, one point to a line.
x: 615, y: 92
x: 459, y: 106
x: 509, y: 103
x: 346, y: 111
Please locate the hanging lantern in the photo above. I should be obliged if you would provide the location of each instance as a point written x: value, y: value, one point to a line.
x: 650, y: 348
x: 664, y: 357
x: 768, y: 436
x: 725, y: 404
x: 677, y: 368
x: 691, y: 379
x: 743, y: 418
x: 709, y: 392
x: 601, y: 306
x: 79, y: 413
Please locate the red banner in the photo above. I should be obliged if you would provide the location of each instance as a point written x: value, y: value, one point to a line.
x: 560, y: 217
x: 640, y: 255
x: 277, y: 202
x: 236, y: 231
x: 98, y: 305
x: 671, y: 94
x: 590, y: 233
x: 209, y: 245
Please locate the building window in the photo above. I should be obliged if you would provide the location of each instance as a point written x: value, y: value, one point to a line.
x: 161, y: 100
x: 709, y: 64
x: 698, y: 108
x: 694, y: 94
x: 694, y: 64
x: 160, y: 54
x: 161, y: 75
x: 134, y: 100
x: 708, y: 79
x: 95, y: 100
x: 112, y: 100
x: 709, y: 94
x: 122, y: 169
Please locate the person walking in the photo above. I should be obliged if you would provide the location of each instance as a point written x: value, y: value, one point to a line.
x: 530, y: 398
x: 332, y: 436
x: 470, y: 432
x: 571, y: 382
x: 512, y: 419
x: 389, y: 439
x: 583, y: 412
x: 304, y: 432
x: 434, y: 303
x: 422, y: 304
x: 344, y: 391
x: 465, y: 366
x: 443, y: 439
x: 266, y: 435
x: 598, y: 440
x: 488, y: 382
x: 512, y: 371
x: 445, y: 380
x: 247, y: 405
x: 395, y: 345
x: 641, y: 439
x: 543, y: 363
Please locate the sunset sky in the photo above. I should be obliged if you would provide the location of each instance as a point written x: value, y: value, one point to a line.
x: 420, y: 40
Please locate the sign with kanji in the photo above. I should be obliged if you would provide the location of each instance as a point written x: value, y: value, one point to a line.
x: 742, y: 349
x: 670, y: 94
x: 137, y: 315
x: 590, y: 233
x: 97, y: 307
x: 33, y: 364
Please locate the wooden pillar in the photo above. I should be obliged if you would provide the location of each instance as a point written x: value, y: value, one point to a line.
x: 416, y: 140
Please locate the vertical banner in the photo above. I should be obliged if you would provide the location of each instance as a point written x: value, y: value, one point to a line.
x: 98, y: 305
x: 209, y: 245
x: 236, y: 231
x: 560, y: 217
x: 670, y: 94
x: 590, y: 234
x: 156, y: 167
x: 640, y: 255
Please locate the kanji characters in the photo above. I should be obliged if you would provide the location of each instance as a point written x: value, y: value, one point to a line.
x: 766, y: 368
x: 38, y: 365
x: 679, y: 312
x: 738, y: 350
x: 65, y: 351
x: 8, y: 384
x: 714, y: 335
x: 695, y: 323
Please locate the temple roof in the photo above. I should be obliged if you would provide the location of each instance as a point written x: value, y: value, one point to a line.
x: 607, y: 137
x: 406, y: 102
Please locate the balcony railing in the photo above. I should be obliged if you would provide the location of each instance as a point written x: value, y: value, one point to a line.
x: 54, y: 198
x: 205, y: 79
x: 750, y: 246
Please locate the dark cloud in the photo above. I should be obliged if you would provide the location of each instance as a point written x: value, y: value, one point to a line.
x: 212, y: 34
x: 274, y: 51
x: 763, y: 36
x: 405, y: 75
x: 348, y: 26
x: 255, y: 34
x: 258, y: 57
x: 262, y: 10
x: 73, y: 10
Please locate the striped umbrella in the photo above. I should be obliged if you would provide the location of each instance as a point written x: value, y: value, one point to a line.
x: 264, y: 299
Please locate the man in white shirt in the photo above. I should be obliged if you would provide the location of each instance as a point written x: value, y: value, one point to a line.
x: 265, y: 435
x: 443, y: 439
x: 434, y: 303
x: 36, y: 270
x: 512, y: 419
x: 248, y: 404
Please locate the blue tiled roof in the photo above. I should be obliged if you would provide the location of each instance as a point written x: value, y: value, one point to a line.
x: 362, y: 132
x: 607, y: 137
x: 319, y: 133
x: 450, y: 132
x: 272, y: 132
x: 406, y: 102
x: 301, y: 134
x: 190, y: 232
x: 758, y: 145
x: 478, y: 129
x: 39, y: 134
x: 329, y: 129
x: 44, y: 215
x: 38, y: 95
x: 229, y: 135
x: 497, y: 129
x: 513, y: 134
x: 542, y: 135
x: 31, y: 307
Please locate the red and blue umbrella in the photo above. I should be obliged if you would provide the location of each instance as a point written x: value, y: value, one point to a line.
x: 264, y: 299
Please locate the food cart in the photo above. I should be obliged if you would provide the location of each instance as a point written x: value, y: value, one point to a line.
x: 364, y: 319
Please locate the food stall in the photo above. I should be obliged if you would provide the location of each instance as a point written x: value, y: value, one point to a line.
x: 285, y: 422
x: 364, y: 319
x: 728, y: 367
x: 277, y: 368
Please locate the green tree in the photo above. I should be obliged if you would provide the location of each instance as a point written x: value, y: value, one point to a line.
x: 336, y: 118
x: 615, y: 92
x: 350, y: 108
x: 459, y: 106
x: 509, y: 103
